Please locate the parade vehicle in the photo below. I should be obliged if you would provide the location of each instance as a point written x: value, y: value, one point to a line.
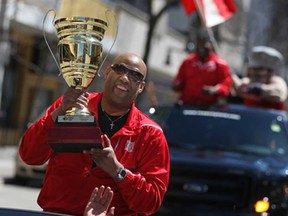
x: 24, y: 212
x: 28, y: 174
x: 228, y: 160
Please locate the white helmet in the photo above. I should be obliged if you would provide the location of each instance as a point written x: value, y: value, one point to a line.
x: 266, y: 57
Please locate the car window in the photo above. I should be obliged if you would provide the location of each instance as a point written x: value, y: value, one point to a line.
x: 255, y: 133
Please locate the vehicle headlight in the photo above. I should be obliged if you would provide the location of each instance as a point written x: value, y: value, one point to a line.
x: 262, y: 205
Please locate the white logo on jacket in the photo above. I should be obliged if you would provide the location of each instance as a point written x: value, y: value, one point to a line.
x: 129, y: 146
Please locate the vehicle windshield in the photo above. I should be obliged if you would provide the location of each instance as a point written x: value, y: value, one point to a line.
x: 214, y: 130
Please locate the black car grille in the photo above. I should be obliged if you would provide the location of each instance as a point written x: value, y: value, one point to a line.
x: 204, y: 188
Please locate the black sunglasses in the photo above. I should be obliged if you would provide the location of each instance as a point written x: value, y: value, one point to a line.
x: 133, y: 75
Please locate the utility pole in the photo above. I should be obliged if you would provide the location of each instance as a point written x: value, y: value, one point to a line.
x: 153, y: 19
x: 3, y: 38
x: 2, y: 19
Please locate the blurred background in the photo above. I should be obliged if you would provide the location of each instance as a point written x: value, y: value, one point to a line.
x: 160, y: 31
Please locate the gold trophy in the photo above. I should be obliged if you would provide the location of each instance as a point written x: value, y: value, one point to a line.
x: 80, y: 58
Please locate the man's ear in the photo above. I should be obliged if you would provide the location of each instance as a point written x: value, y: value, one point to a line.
x: 107, y: 71
x: 141, y: 87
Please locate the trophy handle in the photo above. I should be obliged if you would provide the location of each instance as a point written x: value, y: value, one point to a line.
x: 116, y: 33
x: 44, y: 35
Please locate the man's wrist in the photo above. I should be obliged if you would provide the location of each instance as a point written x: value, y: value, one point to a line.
x: 58, y: 111
x: 121, y: 174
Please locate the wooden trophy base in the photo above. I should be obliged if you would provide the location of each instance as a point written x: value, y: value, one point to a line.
x: 74, y: 134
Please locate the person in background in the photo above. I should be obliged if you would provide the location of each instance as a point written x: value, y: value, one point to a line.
x: 99, y: 202
x: 203, y: 78
x: 134, y: 161
x: 263, y: 86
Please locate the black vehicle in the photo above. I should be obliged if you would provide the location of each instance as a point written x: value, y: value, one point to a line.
x: 23, y: 212
x: 230, y: 160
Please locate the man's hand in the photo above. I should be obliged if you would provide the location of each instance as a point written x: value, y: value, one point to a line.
x: 71, y: 98
x: 99, y: 202
x: 105, y: 158
x: 209, y: 90
x: 74, y: 98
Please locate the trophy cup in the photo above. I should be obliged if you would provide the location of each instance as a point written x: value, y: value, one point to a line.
x: 80, y: 57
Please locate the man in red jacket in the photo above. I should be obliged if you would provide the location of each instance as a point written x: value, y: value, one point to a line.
x: 134, y: 161
x: 203, y: 78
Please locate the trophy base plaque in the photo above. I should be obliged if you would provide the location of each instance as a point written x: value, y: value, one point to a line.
x: 73, y: 134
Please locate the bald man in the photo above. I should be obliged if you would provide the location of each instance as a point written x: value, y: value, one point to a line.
x: 134, y: 161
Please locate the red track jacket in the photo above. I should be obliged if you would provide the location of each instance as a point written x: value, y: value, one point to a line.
x: 140, y: 146
x: 194, y: 74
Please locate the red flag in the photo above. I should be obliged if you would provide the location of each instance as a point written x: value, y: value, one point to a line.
x: 213, y: 12
x: 189, y: 6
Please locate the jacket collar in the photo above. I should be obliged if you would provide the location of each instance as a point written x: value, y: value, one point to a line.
x: 133, y: 123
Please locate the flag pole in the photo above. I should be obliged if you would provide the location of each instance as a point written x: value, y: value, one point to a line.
x: 203, y: 21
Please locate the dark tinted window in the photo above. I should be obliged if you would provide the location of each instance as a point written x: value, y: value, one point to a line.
x: 256, y: 133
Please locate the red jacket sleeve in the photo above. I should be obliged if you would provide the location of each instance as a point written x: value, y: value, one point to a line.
x: 34, y: 148
x: 180, y: 79
x: 225, y: 79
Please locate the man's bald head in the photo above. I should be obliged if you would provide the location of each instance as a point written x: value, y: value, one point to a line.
x: 132, y: 61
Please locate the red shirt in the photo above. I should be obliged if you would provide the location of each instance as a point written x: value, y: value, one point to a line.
x: 194, y: 74
x: 279, y: 105
x: 139, y: 145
